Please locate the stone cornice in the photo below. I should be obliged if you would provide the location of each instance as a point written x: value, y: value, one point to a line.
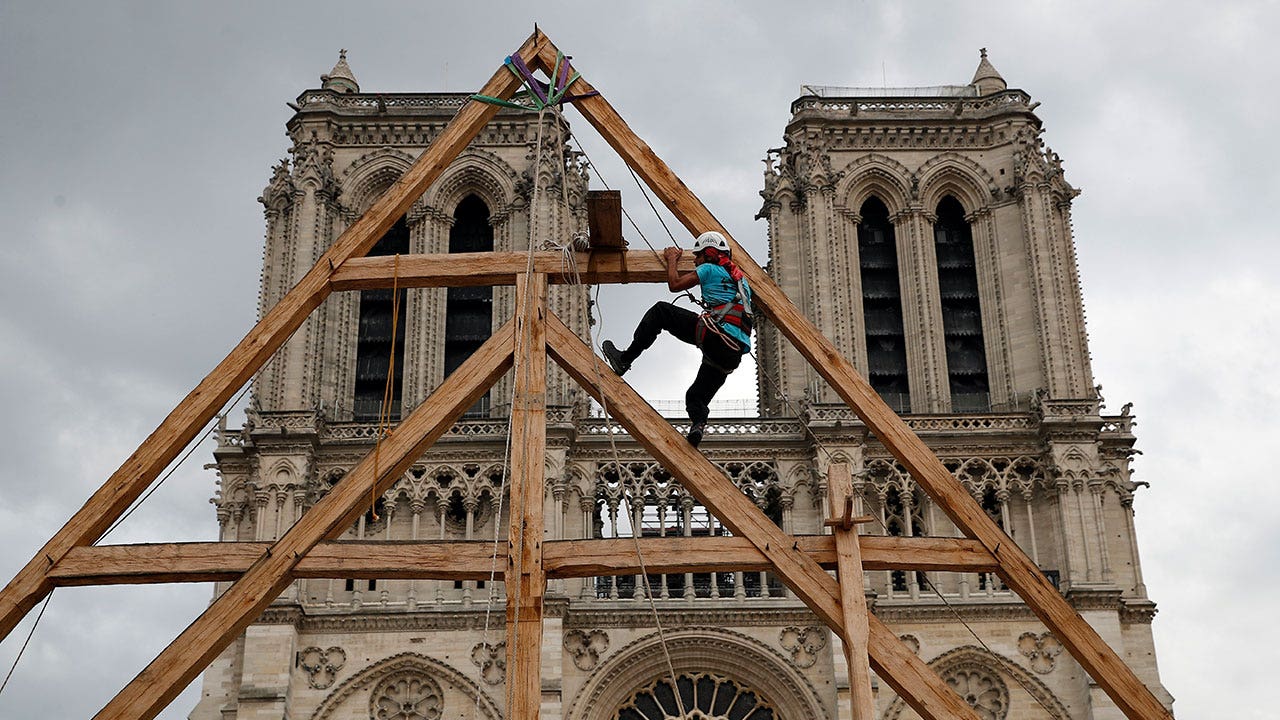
x: 1085, y: 598
x: 1137, y: 612
x: 728, y: 612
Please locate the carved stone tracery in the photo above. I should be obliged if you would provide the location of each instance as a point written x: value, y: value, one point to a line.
x: 406, y: 695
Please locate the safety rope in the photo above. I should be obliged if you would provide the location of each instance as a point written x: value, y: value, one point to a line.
x: 388, y: 391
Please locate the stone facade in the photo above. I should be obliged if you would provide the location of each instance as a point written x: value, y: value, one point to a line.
x: 1038, y: 454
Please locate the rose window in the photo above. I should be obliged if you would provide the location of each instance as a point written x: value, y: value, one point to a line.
x: 702, y: 695
x: 407, y: 696
x: 983, y: 691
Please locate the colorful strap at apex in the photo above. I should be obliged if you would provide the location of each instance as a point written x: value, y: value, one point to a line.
x: 538, y: 95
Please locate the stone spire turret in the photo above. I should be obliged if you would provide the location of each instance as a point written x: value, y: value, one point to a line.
x: 340, y: 78
x: 986, y: 77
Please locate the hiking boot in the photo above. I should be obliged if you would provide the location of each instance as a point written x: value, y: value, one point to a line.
x: 613, y: 356
x: 696, y: 432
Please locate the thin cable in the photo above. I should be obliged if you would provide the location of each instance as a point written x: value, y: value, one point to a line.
x: 190, y: 449
x: 635, y: 531
x: 23, y: 649
x: 599, y: 175
x: 648, y: 199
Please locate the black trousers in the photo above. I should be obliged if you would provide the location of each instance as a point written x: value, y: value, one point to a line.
x: 718, y: 358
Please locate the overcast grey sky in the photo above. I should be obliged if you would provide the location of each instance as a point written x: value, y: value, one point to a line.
x: 135, y: 138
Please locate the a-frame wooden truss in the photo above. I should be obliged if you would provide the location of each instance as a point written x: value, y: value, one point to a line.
x: 262, y: 570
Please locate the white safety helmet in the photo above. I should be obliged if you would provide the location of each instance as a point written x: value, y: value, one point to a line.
x: 711, y: 239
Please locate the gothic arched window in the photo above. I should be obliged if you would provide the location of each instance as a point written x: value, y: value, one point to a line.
x: 468, y: 315
x: 374, y: 344
x: 882, y: 306
x: 961, y: 310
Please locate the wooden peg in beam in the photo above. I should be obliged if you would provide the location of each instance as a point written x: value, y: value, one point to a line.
x: 846, y: 521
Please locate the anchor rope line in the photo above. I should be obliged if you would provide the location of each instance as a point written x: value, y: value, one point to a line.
x: 609, y: 429
x: 634, y: 225
x: 388, y: 389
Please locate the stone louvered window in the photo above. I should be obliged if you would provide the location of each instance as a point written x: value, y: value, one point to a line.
x: 702, y: 695
x: 375, y: 345
x: 961, y: 309
x: 468, y: 310
x: 882, y: 306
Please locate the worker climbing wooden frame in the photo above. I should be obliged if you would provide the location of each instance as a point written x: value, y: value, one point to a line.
x: 236, y: 608
x: 1016, y: 569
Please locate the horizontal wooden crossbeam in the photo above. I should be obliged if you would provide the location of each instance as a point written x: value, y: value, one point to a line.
x: 501, y: 268
x: 471, y: 560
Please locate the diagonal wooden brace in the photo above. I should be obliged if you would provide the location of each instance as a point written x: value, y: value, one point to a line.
x: 195, y: 411
x: 179, y: 663
x: 918, y: 685
x: 1018, y: 571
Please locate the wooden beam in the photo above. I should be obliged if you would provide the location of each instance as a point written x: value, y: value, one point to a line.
x: 604, y: 220
x: 914, y: 681
x: 150, y: 563
x: 852, y: 600
x: 179, y: 663
x: 226, y: 561
x: 525, y: 579
x: 195, y: 411
x: 1018, y: 571
x: 501, y: 268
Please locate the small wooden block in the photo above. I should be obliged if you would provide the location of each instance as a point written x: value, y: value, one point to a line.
x: 604, y: 220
